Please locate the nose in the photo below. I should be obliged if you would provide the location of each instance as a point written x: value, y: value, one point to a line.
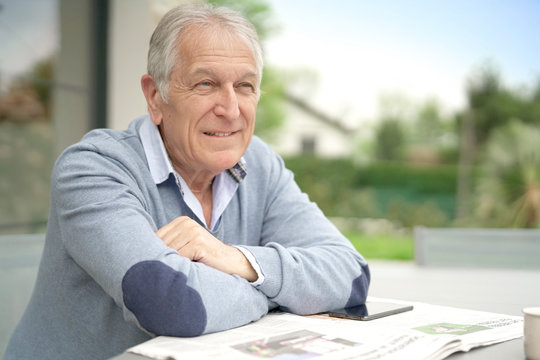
x: 227, y: 103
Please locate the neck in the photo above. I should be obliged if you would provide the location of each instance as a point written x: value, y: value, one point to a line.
x: 201, y: 187
x: 197, y: 183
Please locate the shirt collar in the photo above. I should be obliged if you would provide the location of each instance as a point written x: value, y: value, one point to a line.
x: 158, y: 160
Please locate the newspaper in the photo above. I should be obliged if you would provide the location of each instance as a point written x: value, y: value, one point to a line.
x: 426, y: 332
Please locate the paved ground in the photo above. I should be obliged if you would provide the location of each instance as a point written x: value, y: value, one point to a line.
x: 497, y: 290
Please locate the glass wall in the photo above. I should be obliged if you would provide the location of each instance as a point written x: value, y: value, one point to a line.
x: 29, y: 34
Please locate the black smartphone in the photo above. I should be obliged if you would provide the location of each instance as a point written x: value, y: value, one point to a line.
x: 370, y: 310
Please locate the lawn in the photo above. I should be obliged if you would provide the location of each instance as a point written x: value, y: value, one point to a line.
x: 383, y: 246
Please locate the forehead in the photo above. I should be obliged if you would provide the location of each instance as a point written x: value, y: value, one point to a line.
x: 213, y: 45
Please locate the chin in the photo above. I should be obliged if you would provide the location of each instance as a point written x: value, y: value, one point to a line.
x: 223, y: 162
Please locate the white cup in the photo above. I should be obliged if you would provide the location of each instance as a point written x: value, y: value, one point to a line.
x: 531, y: 332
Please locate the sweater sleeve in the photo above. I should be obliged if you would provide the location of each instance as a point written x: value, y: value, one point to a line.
x: 308, y: 265
x: 107, y: 223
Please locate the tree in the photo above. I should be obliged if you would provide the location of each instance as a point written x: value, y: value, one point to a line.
x: 41, y: 78
x: 508, y: 190
x: 270, y: 112
x: 429, y: 127
x: 432, y: 137
x: 29, y: 95
x: 389, y: 138
x: 491, y: 106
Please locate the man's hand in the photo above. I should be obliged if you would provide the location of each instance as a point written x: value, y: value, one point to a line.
x: 193, y: 241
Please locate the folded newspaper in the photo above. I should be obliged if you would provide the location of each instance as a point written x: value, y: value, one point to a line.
x: 427, y: 332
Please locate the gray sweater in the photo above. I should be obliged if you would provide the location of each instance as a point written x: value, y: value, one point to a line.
x: 106, y: 281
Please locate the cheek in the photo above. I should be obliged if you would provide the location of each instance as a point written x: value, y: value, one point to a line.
x: 175, y: 132
x: 178, y: 123
x: 249, y: 111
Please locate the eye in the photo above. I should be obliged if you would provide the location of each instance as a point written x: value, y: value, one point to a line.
x: 247, y: 86
x: 204, y: 85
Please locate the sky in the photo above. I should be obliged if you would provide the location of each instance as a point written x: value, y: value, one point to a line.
x: 422, y: 49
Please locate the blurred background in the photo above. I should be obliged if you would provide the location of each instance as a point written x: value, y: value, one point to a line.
x: 392, y: 114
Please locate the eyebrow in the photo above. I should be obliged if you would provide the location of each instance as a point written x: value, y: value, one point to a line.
x: 210, y: 72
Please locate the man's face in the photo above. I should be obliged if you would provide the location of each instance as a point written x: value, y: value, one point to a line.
x: 209, y: 119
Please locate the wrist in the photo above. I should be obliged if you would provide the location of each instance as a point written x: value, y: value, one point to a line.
x: 243, y: 266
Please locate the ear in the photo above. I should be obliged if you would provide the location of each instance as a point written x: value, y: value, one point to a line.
x: 153, y: 98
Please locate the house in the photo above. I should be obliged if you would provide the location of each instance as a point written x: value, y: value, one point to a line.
x: 307, y: 130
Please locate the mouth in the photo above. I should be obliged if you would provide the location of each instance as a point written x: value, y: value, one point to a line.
x: 219, y: 134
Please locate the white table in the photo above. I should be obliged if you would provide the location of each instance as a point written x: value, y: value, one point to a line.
x: 504, y: 291
x: 495, y: 290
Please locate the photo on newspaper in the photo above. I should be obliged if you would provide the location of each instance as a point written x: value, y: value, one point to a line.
x: 302, y: 344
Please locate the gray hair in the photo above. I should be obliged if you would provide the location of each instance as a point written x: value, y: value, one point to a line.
x: 162, y: 54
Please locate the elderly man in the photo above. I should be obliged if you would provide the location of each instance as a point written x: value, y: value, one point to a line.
x: 185, y: 223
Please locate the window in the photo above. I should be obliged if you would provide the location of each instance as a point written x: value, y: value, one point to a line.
x: 29, y: 38
x: 308, y: 145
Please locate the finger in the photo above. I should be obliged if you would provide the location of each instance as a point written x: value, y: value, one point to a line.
x: 183, y: 231
x: 174, y: 223
x: 168, y: 231
x: 188, y: 251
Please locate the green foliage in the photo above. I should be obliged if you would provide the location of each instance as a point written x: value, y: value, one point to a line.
x: 492, y: 108
x: 449, y: 155
x: 383, y: 246
x: 41, y: 76
x: 339, y: 172
x: 408, y: 194
x: 389, y: 139
x: 31, y: 90
x: 409, y: 214
x: 328, y: 182
x: 358, y: 203
x: 429, y: 124
x: 427, y: 179
x: 271, y: 110
x: 258, y: 12
x: 493, y: 105
x: 433, y: 127
x: 508, y: 189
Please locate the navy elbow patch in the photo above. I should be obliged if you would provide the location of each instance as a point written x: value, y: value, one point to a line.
x: 359, y: 289
x: 162, y: 301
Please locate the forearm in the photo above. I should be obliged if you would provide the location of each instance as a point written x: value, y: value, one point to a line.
x: 312, y: 280
x: 194, y: 242
x: 240, y: 265
x: 167, y: 302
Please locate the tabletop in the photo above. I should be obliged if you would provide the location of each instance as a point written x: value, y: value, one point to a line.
x: 504, y: 291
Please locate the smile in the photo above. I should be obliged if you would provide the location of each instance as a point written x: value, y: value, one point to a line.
x: 220, y: 134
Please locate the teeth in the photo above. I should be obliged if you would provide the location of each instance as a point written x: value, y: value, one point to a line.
x: 218, y: 133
